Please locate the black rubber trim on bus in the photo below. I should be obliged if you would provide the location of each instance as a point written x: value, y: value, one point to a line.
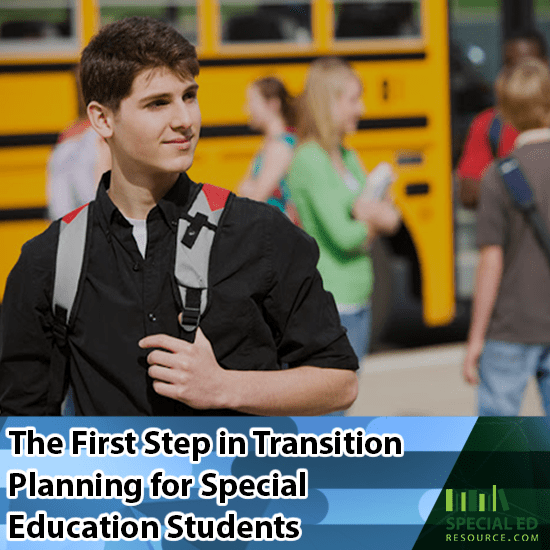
x: 224, y: 62
x: 303, y: 59
x: 28, y: 140
x: 235, y: 130
x: 393, y: 123
x: 417, y: 189
x: 21, y: 214
x: 37, y: 68
x: 230, y: 130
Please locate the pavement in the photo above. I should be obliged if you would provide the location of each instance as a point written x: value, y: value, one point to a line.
x: 422, y: 382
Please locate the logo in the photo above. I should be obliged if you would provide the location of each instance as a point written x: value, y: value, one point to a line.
x: 475, y: 501
x: 476, y: 515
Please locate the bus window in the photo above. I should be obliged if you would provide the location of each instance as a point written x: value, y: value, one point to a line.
x: 181, y: 14
x: 377, y: 19
x: 265, y: 21
x: 36, y: 26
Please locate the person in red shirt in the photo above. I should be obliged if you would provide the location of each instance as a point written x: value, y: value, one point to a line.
x: 489, y: 136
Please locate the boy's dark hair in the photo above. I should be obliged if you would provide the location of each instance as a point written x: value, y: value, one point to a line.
x: 119, y: 51
x: 530, y: 35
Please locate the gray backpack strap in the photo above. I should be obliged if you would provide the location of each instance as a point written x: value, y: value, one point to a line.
x: 195, y: 238
x: 69, y: 266
x: 521, y: 193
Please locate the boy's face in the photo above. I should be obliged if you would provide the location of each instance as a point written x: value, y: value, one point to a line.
x: 156, y: 128
x: 514, y: 51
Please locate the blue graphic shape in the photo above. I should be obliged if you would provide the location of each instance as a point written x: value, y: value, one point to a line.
x: 373, y: 506
x: 413, y: 470
x: 71, y: 466
x: 441, y: 434
x: 311, y: 510
x: 349, y: 537
x: 427, y: 502
x: 56, y: 545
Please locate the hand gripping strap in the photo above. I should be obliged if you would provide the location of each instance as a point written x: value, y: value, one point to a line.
x: 195, y: 238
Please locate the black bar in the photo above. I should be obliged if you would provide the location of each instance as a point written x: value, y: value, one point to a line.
x: 366, y: 124
x: 304, y: 59
x: 37, y: 68
x: 224, y: 62
x: 417, y: 189
x: 28, y: 140
x: 20, y: 214
x: 408, y: 160
x: 393, y: 123
x: 234, y: 130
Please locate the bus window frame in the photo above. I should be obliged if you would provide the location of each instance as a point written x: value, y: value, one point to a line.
x: 62, y: 49
x: 390, y: 44
x: 323, y: 41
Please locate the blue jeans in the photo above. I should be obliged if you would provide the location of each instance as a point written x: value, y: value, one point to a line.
x: 358, y: 326
x: 504, y: 370
x: 67, y: 407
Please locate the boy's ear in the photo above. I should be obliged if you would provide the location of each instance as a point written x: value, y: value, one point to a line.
x: 101, y: 118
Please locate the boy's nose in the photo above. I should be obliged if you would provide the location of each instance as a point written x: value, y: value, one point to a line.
x: 181, y: 117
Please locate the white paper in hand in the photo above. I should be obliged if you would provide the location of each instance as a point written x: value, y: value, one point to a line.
x: 378, y: 181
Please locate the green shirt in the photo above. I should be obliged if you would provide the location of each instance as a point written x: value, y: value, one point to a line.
x: 324, y: 205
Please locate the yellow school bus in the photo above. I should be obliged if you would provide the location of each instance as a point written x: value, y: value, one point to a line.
x: 399, y: 48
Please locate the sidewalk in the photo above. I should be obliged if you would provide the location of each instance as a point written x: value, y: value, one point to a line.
x: 422, y: 382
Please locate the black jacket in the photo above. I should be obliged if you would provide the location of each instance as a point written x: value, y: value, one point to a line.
x: 267, y: 307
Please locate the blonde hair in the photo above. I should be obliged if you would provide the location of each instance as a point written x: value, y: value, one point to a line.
x: 523, y: 94
x: 325, y: 82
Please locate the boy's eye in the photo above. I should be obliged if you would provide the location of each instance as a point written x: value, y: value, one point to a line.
x: 158, y: 103
x: 190, y: 95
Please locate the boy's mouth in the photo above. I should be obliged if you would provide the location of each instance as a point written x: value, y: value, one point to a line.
x: 181, y: 142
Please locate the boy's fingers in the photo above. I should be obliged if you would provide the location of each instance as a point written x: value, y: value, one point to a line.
x: 163, y: 358
x: 163, y: 374
x: 162, y: 341
x: 164, y: 389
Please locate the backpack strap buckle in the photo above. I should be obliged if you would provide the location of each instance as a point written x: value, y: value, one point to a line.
x: 60, y: 326
x: 190, y: 316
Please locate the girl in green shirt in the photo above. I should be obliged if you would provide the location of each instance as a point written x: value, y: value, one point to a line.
x: 327, y: 187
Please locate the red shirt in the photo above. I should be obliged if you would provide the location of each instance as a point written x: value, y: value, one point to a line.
x: 477, y: 154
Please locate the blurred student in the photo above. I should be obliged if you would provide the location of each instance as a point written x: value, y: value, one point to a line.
x: 490, y: 136
x: 510, y: 330
x: 329, y: 188
x: 75, y: 166
x: 271, y: 112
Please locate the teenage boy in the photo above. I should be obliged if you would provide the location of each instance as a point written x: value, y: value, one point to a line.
x: 510, y: 328
x: 267, y: 307
x: 490, y: 136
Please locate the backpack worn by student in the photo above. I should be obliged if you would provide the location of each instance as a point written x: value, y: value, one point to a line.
x: 520, y: 191
x: 494, y: 133
x: 195, y: 235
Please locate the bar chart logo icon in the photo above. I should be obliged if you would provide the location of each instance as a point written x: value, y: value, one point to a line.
x: 473, y: 500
